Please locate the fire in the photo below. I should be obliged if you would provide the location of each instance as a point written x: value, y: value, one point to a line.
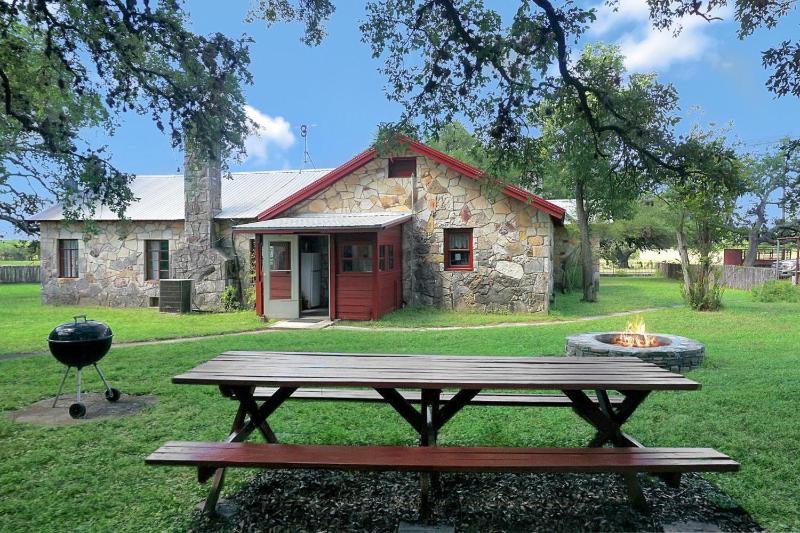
x: 635, y: 335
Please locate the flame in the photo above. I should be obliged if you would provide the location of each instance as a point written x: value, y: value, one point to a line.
x: 635, y: 335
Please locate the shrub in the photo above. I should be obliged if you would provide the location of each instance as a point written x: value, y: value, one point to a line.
x: 573, y: 275
x: 777, y: 291
x: 250, y: 298
x: 705, y: 291
x: 230, y: 299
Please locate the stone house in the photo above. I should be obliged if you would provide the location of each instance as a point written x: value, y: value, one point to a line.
x: 354, y: 242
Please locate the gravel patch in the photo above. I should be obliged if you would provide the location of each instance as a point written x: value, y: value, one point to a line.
x: 305, y: 500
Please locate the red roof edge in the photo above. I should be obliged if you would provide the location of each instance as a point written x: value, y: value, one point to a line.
x: 366, y: 156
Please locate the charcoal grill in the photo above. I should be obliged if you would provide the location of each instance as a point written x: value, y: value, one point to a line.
x: 79, y: 344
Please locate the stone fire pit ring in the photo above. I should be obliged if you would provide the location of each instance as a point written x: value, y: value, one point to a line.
x: 674, y: 353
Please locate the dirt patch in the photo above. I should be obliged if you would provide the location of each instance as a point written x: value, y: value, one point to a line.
x: 97, y: 408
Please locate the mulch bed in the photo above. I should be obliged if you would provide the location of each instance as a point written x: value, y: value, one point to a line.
x: 305, y: 500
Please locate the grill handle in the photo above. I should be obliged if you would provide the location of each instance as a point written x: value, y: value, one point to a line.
x: 76, y: 317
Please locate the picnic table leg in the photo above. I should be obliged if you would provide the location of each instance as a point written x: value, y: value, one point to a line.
x: 608, y: 421
x: 210, y: 504
x: 429, y: 481
x: 240, y: 430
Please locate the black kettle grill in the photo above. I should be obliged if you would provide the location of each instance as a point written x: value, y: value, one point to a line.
x: 79, y: 344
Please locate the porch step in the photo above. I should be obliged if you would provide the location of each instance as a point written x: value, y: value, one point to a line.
x: 302, y: 323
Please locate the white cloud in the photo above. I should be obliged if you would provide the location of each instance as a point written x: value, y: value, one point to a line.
x: 647, y: 48
x: 268, y: 132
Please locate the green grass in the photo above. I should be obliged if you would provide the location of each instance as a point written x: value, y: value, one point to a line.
x: 92, y: 477
x: 26, y: 322
x: 618, y: 294
x: 11, y: 262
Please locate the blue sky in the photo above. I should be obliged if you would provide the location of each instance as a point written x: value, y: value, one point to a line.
x: 337, y: 89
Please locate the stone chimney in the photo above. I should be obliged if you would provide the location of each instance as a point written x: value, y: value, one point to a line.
x: 202, y: 191
x: 199, y: 254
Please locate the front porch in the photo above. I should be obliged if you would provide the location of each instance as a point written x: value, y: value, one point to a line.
x: 345, y: 266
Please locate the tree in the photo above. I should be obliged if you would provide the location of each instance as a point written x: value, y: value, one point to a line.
x: 78, y: 64
x: 704, y: 200
x: 647, y: 229
x: 768, y: 175
x: 605, y: 186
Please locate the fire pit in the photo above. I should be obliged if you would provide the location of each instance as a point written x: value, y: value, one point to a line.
x: 677, y: 354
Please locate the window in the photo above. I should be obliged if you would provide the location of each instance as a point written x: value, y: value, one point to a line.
x: 402, y: 167
x: 386, y: 257
x: 157, y: 258
x: 357, y: 258
x: 458, y: 249
x: 68, y: 258
x: 280, y: 259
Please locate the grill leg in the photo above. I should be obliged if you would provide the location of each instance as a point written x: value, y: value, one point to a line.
x: 79, y: 386
x: 61, y: 387
x: 100, y: 373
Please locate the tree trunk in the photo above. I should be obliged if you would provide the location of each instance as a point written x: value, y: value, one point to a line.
x: 684, y: 254
x: 623, y: 257
x: 587, y: 261
x: 752, y: 247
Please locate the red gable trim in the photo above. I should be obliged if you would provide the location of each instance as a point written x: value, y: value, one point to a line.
x: 365, y: 157
x: 321, y: 184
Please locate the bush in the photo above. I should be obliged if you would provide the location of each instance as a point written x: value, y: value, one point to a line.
x: 702, y: 294
x: 230, y: 299
x: 250, y: 298
x: 573, y: 273
x: 777, y: 291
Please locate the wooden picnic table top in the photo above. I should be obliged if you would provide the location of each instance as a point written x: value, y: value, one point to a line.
x: 303, y: 369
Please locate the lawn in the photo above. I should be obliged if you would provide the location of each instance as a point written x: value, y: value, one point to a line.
x: 619, y: 295
x: 92, y: 477
x: 12, y: 262
x: 26, y: 322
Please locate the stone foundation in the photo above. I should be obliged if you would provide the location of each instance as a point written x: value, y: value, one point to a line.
x: 678, y: 354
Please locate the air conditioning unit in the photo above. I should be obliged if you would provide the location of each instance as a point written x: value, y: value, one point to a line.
x: 175, y: 296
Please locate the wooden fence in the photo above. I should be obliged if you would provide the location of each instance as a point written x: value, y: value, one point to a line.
x: 745, y: 278
x: 20, y: 274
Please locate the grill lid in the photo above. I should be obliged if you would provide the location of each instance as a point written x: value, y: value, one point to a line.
x: 87, y: 330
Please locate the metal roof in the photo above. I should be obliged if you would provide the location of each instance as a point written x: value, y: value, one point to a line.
x: 244, y: 195
x: 328, y: 222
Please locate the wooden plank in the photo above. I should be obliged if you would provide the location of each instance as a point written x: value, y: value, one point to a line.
x: 414, y: 396
x: 439, y: 459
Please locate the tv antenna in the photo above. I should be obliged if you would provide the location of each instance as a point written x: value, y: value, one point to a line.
x: 306, y: 155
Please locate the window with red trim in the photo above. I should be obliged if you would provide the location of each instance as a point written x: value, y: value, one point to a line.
x: 402, y: 167
x: 458, y: 249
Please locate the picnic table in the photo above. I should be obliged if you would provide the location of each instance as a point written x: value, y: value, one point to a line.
x: 442, y: 386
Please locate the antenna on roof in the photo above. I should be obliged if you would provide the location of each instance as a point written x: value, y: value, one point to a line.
x: 306, y: 156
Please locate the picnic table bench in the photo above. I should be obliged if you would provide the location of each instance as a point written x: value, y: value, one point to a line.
x: 405, y: 380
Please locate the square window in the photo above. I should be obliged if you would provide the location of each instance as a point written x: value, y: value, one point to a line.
x: 458, y: 253
x: 356, y: 258
x: 280, y: 259
x: 402, y: 167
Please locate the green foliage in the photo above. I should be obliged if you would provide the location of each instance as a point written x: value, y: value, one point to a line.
x: 230, y: 299
x: 14, y: 250
x: 777, y: 291
x: 572, y: 279
x: 66, y: 71
x: 250, y: 298
x: 648, y: 229
x: 704, y: 292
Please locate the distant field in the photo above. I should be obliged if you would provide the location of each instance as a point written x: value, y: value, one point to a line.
x: 19, y: 263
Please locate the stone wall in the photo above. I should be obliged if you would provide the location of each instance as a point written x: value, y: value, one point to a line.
x: 111, y: 262
x: 513, y: 242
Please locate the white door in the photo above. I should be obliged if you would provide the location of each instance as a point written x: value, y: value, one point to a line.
x: 281, y: 276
